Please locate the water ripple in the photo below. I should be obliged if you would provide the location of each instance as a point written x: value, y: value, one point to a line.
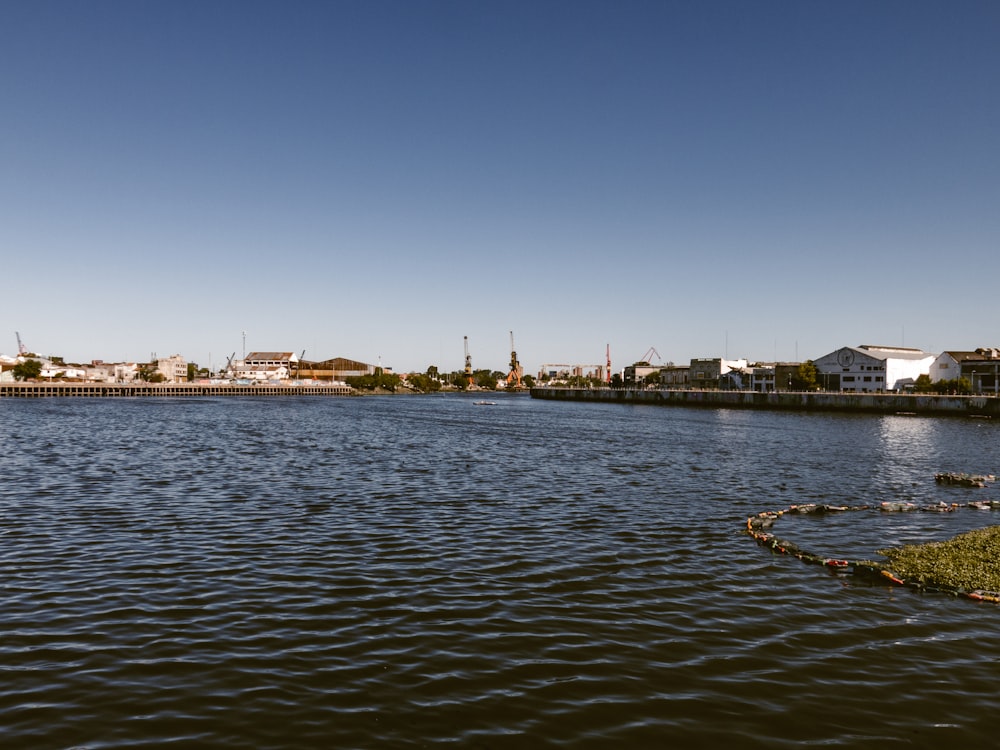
x: 408, y: 572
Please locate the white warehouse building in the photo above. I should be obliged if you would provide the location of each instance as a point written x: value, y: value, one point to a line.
x: 870, y: 369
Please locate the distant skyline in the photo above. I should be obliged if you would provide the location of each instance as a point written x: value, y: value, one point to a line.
x: 378, y: 180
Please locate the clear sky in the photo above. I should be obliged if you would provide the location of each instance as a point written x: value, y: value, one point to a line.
x: 377, y: 180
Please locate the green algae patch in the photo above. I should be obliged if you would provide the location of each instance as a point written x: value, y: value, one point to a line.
x: 969, y: 561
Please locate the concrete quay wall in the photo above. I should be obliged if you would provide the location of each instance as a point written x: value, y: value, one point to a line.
x: 870, y: 403
x: 163, y: 390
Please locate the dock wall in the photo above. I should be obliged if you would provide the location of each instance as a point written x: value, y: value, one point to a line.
x: 870, y: 403
x: 163, y: 390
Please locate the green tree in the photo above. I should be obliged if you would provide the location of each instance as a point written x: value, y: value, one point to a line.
x: 923, y: 384
x: 29, y: 369
x: 805, y: 377
x: 381, y: 379
x: 424, y: 383
x: 486, y: 379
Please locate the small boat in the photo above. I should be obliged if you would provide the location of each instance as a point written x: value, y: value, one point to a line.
x: 484, y: 403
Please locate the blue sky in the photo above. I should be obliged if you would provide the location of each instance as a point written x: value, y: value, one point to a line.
x: 377, y: 180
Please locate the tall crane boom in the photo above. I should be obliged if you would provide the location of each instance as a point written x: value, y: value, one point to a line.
x: 516, y: 371
x: 468, y: 362
x: 21, y: 348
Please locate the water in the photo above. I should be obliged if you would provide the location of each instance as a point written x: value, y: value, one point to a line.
x: 422, y: 571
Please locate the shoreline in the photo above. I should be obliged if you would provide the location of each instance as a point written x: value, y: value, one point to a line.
x: 906, y: 404
x: 164, y: 390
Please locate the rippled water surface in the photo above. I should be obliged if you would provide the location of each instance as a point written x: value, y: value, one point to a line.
x: 421, y: 571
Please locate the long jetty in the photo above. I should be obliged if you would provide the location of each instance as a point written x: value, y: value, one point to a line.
x: 165, y: 390
x: 863, y: 403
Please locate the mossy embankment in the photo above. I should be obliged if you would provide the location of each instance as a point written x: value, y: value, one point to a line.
x: 969, y: 561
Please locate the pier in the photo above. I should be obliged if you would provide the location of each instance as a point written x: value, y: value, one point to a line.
x: 862, y: 403
x: 164, y: 390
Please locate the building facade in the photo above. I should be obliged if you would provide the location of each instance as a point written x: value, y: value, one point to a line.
x: 715, y: 373
x: 980, y: 367
x: 871, y: 369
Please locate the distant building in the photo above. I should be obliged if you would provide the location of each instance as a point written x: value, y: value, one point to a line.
x: 871, y: 369
x: 715, y: 373
x: 98, y: 372
x: 760, y: 377
x: 549, y: 371
x: 173, y: 369
x: 637, y: 373
x: 62, y: 371
x: 675, y: 376
x: 336, y: 369
x: 265, y: 366
x: 126, y: 372
x: 785, y: 375
x: 7, y: 365
x: 981, y: 368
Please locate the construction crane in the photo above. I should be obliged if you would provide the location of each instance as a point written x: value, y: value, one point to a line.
x: 21, y: 348
x: 468, y: 362
x: 647, y: 356
x: 516, y: 371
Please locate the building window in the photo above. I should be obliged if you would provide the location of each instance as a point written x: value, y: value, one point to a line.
x: 848, y: 378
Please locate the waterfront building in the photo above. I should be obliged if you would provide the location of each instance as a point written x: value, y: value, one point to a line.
x: 265, y: 366
x: 126, y: 372
x: 61, y: 370
x: 336, y: 369
x: 7, y: 365
x: 173, y: 369
x: 761, y: 377
x: 550, y: 371
x: 871, y: 369
x: 99, y: 372
x: 709, y: 373
x: 675, y: 376
x: 980, y: 367
x: 635, y: 374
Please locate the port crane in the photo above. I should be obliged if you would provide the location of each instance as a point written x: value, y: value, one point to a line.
x: 516, y: 371
x: 21, y: 348
x: 649, y: 353
x: 468, y: 362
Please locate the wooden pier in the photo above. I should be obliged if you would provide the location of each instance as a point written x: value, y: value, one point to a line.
x: 164, y: 390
